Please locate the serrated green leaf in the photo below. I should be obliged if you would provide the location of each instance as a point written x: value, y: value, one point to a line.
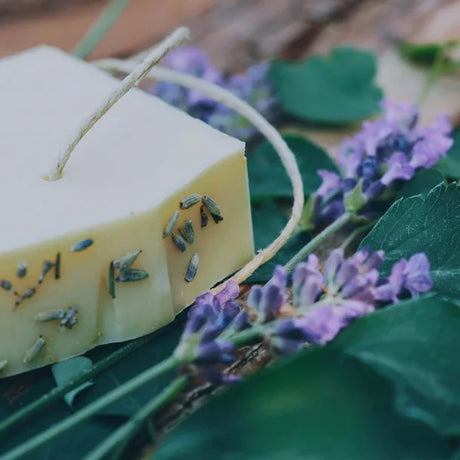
x: 67, y: 370
x: 339, y: 88
x: 428, y: 224
x: 415, y: 344
x: 423, y: 181
x: 267, y: 177
x: 268, y: 219
x: 450, y: 165
x: 319, y: 405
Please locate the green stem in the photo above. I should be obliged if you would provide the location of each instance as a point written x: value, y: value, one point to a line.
x: 433, y: 74
x: 248, y: 336
x: 358, y: 231
x: 100, y: 28
x: 58, y: 392
x: 127, y: 431
x: 91, y: 409
x: 314, y: 244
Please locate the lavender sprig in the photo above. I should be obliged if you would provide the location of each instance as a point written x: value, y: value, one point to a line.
x: 252, y: 86
x: 377, y: 160
x: 324, y: 301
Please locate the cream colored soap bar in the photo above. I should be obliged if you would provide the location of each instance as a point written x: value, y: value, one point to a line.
x: 70, y: 278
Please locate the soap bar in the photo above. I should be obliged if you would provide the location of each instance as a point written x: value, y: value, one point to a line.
x: 152, y: 210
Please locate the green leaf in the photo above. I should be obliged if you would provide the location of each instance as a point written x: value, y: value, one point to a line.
x: 67, y: 370
x: 450, y: 166
x: 428, y: 53
x: 423, y: 181
x: 319, y: 405
x: 424, y: 53
x: 268, y: 219
x: 415, y: 344
x: 148, y: 355
x: 339, y: 88
x: 428, y: 224
x: 267, y: 177
x: 16, y: 392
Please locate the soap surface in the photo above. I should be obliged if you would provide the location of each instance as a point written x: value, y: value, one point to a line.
x: 123, y: 183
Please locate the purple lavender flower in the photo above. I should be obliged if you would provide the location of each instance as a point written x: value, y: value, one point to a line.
x: 390, y: 288
x: 306, y: 282
x: 194, y: 61
x: 399, y: 168
x: 267, y: 301
x: 325, y: 301
x: 328, y: 200
x: 417, y: 275
x: 200, y: 343
x: 412, y: 276
x: 211, y: 352
x: 346, y: 289
x: 380, y: 157
x: 253, y: 87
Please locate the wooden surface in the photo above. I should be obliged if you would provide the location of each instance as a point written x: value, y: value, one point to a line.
x: 62, y: 24
x: 234, y: 32
x: 237, y: 33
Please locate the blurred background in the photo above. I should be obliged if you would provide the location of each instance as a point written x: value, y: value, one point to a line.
x: 234, y: 32
x: 238, y: 33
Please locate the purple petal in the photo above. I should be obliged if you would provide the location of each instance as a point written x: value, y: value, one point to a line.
x: 279, y: 278
x: 306, y: 282
x: 290, y: 328
x: 206, y: 298
x: 322, y: 324
x: 373, y: 260
x: 330, y: 212
x: 198, y: 317
x: 333, y: 263
x: 350, y: 157
x: 390, y: 290
x: 231, y: 291
x: 331, y: 183
x: 433, y: 142
x: 346, y: 272
x: 271, y: 302
x: 398, y: 168
x: 214, y: 352
x: 311, y: 290
x: 400, y: 112
x: 417, y: 274
x: 254, y: 297
x: 351, y: 309
x: 374, y: 190
x: 241, y: 321
x: 287, y: 346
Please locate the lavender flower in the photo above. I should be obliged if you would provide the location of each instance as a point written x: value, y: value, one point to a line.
x: 200, y: 344
x: 267, y: 301
x: 193, y: 61
x: 252, y: 86
x: 327, y: 301
x: 379, y: 158
x: 412, y: 276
